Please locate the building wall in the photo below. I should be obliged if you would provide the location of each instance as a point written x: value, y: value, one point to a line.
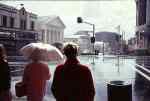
x: 51, y: 32
x: 142, y: 22
x: 15, y: 35
x: 85, y: 43
x: 51, y: 35
x: 5, y: 11
x: 75, y: 40
x: 140, y: 12
x: 148, y: 13
x: 114, y: 40
x: 16, y: 14
x: 82, y: 41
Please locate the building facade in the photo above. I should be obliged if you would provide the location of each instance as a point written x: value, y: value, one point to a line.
x: 112, y: 38
x: 17, y: 28
x: 72, y: 38
x: 131, y: 45
x: 85, y: 41
x: 50, y: 29
x: 85, y: 44
x: 142, y: 26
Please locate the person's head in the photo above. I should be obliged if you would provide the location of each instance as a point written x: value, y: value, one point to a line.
x: 70, y: 50
x: 36, y: 55
x: 59, y: 46
x: 2, y: 52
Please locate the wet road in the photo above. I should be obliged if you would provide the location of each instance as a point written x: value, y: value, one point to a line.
x: 105, y: 70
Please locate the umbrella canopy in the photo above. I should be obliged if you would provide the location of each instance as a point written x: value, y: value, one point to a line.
x: 58, y: 45
x: 41, y: 51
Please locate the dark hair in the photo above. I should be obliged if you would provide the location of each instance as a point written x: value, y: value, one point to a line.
x: 2, y: 52
x: 70, y: 50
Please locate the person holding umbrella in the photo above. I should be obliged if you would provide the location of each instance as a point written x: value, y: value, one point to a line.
x: 35, y: 75
x: 5, y: 77
x: 37, y: 72
x: 72, y: 81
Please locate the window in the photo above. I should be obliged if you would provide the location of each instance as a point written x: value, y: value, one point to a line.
x: 23, y: 12
x: 23, y: 24
x: 4, y: 21
x: 32, y: 25
x: 11, y: 22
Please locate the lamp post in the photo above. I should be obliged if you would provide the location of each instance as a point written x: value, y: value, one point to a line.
x: 80, y: 20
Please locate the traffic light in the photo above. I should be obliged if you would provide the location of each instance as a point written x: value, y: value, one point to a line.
x: 79, y: 20
x: 92, y: 39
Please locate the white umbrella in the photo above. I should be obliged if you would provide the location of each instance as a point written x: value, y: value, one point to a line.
x: 41, y: 51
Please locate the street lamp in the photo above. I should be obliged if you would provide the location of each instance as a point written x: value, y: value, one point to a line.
x: 80, y: 20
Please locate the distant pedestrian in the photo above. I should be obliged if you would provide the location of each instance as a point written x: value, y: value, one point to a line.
x: 72, y: 81
x: 5, y: 78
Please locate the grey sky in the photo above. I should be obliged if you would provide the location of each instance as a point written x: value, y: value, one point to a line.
x: 106, y: 15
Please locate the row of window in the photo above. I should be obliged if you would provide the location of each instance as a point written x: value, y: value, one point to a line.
x: 23, y: 23
x: 4, y: 20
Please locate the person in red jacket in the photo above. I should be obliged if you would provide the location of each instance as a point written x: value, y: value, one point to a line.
x: 34, y: 78
x: 72, y: 81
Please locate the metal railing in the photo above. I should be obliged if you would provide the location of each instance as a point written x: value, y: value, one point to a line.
x: 143, y: 71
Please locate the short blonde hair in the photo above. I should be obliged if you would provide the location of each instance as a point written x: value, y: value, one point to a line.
x: 70, y: 49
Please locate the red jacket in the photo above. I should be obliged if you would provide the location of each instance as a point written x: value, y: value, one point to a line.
x: 35, y: 76
x: 73, y: 82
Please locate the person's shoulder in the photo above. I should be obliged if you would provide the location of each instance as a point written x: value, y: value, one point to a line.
x: 59, y: 67
x: 84, y: 67
x: 43, y: 64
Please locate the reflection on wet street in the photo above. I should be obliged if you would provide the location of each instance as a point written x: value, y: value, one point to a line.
x: 108, y: 69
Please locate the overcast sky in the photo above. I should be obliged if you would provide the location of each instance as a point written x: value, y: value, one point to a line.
x: 106, y: 15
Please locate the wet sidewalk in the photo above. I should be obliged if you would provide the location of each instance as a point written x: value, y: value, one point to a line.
x: 104, y: 72
x: 48, y: 96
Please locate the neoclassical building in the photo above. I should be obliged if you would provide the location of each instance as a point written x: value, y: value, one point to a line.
x: 143, y: 25
x: 17, y: 28
x: 50, y: 29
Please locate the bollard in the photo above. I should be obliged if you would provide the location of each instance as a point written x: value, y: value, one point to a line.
x: 119, y: 91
